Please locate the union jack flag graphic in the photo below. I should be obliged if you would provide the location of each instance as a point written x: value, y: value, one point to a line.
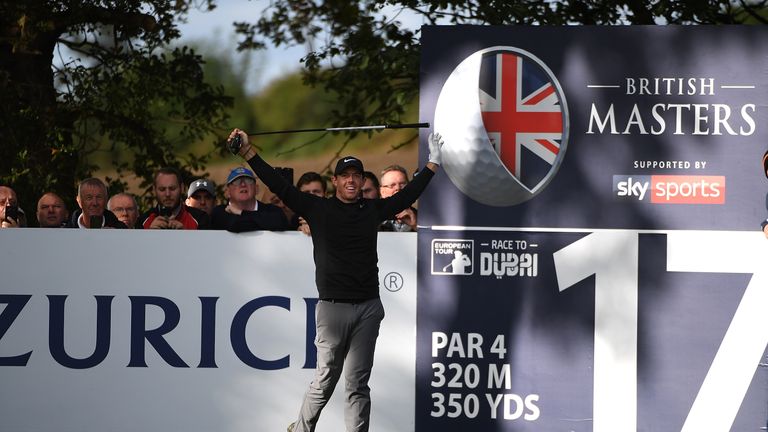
x: 521, y: 113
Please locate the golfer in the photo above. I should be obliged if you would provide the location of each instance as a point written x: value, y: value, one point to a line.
x: 344, y: 231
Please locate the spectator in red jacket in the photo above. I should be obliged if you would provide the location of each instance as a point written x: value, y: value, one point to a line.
x: 170, y: 212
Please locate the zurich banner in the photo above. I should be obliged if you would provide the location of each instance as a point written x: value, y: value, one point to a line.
x: 194, y: 331
x: 590, y: 257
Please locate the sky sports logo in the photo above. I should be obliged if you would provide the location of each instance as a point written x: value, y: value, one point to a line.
x: 670, y: 189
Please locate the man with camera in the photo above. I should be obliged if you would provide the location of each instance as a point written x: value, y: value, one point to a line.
x: 93, y: 214
x: 171, y: 212
x: 11, y: 216
x: 344, y: 230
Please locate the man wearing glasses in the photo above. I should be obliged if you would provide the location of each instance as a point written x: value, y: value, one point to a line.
x: 344, y: 231
x: 124, y: 206
x: 393, y: 179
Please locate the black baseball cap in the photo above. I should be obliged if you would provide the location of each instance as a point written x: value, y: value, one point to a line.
x: 346, y: 162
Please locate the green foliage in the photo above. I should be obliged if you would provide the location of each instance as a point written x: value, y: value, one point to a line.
x: 221, y: 68
x: 289, y: 104
x: 123, y: 97
x: 363, y: 53
x: 286, y: 103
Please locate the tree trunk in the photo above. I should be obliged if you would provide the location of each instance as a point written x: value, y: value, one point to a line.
x: 37, y: 147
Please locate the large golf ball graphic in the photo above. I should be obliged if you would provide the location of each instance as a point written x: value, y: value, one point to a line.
x: 504, y: 122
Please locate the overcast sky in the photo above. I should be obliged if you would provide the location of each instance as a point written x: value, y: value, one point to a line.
x: 215, y: 29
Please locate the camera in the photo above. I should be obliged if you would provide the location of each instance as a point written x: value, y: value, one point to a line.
x: 234, y: 144
x: 12, y: 211
x: 395, y: 225
x: 95, y: 221
x: 165, y: 211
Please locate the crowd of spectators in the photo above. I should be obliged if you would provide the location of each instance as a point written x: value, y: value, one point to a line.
x: 240, y: 211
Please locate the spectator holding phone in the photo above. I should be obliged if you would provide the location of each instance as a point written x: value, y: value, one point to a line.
x: 171, y: 212
x: 11, y: 216
x: 93, y: 214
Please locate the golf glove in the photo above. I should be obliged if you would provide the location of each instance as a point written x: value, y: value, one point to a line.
x: 435, y: 144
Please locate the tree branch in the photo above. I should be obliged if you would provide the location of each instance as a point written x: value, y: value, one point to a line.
x: 128, y: 21
x: 752, y: 13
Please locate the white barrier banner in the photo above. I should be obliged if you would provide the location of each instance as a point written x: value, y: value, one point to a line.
x: 155, y: 331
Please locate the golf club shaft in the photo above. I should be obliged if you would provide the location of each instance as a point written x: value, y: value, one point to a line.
x: 347, y: 128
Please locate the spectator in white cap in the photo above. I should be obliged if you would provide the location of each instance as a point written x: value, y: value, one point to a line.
x: 244, y: 212
x: 202, y: 195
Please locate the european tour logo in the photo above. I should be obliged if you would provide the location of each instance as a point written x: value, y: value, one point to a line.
x: 453, y: 257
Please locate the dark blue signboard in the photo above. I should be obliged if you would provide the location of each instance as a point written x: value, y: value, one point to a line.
x: 591, y: 251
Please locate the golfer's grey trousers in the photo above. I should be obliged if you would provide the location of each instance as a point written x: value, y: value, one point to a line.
x: 346, y: 340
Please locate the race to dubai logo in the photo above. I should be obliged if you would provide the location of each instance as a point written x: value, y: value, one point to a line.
x: 504, y: 121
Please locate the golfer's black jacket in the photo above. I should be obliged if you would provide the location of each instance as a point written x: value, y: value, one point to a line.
x: 344, y: 235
